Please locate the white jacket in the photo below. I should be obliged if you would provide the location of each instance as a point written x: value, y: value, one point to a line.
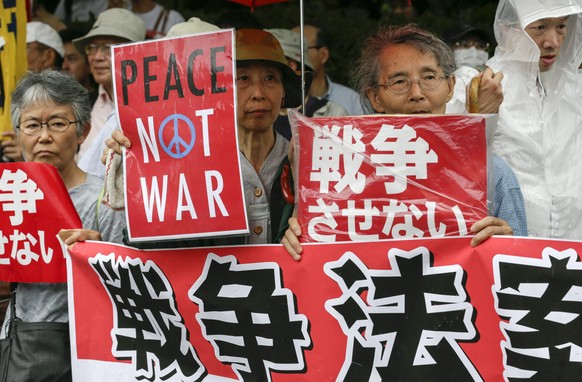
x: 540, y: 120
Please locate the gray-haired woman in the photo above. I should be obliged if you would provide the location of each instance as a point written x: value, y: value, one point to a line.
x: 51, y: 116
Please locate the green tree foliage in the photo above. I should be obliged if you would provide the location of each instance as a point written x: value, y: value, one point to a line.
x: 350, y: 21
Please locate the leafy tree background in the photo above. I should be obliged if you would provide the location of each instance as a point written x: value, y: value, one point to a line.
x: 350, y: 21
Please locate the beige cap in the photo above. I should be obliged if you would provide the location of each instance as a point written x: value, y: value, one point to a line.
x: 192, y: 26
x: 44, y: 34
x: 291, y: 44
x: 117, y: 22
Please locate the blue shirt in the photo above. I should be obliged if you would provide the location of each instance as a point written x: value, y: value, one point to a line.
x: 508, y: 203
x: 346, y: 97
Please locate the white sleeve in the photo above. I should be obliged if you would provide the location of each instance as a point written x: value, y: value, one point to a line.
x: 90, y: 162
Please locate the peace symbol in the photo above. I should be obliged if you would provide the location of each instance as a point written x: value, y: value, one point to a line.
x: 177, y: 147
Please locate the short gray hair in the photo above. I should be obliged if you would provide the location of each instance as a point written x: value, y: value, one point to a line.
x: 51, y: 86
x: 367, y: 69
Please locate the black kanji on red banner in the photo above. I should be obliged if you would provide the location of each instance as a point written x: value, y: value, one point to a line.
x: 409, y: 325
x: 248, y: 315
x: 148, y: 328
x: 542, y: 301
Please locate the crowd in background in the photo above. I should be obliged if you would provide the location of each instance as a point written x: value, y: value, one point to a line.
x: 531, y: 81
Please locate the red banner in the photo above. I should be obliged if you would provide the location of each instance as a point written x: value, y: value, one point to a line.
x: 367, y: 178
x: 35, y: 205
x: 175, y: 102
x: 403, y: 310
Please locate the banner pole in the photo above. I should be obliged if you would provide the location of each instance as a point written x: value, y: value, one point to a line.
x: 301, y: 23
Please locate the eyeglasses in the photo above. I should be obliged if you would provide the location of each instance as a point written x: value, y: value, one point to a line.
x: 315, y: 47
x: 401, y: 84
x: 471, y: 43
x: 91, y: 49
x: 56, y: 125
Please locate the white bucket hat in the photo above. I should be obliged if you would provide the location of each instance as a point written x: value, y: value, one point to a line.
x: 290, y: 42
x: 117, y: 22
x: 192, y: 26
x: 44, y: 34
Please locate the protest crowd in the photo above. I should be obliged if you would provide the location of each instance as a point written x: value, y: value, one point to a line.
x: 72, y: 106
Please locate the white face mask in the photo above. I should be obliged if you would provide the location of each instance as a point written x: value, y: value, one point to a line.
x: 472, y: 57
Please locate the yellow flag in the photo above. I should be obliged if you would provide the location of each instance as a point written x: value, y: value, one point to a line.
x: 13, y: 63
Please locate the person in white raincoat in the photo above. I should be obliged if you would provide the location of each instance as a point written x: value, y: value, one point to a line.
x: 539, y: 132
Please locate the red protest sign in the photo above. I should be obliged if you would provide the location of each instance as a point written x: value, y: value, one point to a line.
x: 367, y: 178
x: 35, y: 206
x: 416, y: 309
x: 175, y: 102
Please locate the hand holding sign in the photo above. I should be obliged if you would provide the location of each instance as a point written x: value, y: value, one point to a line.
x: 179, y: 184
x: 117, y: 140
x: 72, y: 236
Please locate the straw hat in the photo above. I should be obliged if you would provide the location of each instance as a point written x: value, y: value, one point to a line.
x: 259, y: 45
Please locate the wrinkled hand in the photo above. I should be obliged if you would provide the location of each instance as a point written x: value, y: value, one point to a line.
x: 490, y: 95
x: 71, y: 236
x: 291, y: 239
x: 10, y: 147
x: 115, y: 142
x: 487, y: 227
x: 490, y: 92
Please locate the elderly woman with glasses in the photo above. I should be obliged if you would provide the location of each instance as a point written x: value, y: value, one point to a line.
x: 51, y: 114
x: 408, y: 70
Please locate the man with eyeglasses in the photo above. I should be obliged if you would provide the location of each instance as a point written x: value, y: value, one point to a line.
x: 408, y: 70
x: 113, y: 26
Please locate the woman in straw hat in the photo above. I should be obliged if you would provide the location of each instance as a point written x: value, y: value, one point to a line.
x: 264, y: 84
